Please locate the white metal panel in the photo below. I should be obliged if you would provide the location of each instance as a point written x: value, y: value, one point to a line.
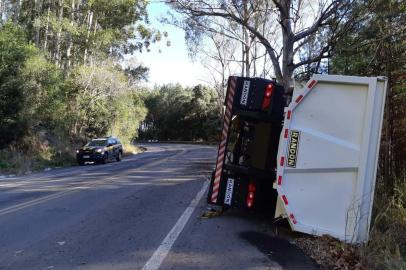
x: 329, y: 190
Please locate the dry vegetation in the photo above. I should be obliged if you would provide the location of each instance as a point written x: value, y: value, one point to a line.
x: 40, y: 152
x: 35, y: 153
x: 130, y: 149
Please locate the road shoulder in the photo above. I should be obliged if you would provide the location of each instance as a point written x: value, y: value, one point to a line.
x: 234, y: 240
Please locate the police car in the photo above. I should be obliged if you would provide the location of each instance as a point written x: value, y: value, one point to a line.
x: 101, y: 150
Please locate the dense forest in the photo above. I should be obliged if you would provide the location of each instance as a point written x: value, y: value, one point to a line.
x: 61, y: 81
x: 176, y: 113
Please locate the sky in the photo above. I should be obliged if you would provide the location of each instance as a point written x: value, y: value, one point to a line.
x: 173, y: 64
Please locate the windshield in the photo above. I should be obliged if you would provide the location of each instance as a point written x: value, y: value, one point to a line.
x: 97, y: 143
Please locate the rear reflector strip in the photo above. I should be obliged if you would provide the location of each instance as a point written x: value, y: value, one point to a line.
x: 311, y: 84
x: 222, y: 147
x: 298, y: 99
x: 285, y: 200
x: 292, y: 217
x: 282, y: 161
x: 289, y: 114
x: 280, y: 180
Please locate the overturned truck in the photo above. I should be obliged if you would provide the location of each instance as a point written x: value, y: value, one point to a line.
x: 313, y: 162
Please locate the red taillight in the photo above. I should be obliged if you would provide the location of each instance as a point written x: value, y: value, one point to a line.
x: 251, y: 187
x: 251, y: 195
x: 267, y: 96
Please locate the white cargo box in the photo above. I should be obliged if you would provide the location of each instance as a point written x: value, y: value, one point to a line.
x: 328, y: 154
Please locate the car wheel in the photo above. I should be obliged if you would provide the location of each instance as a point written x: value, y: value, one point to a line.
x: 119, y: 156
x: 105, y: 158
x: 81, y: 162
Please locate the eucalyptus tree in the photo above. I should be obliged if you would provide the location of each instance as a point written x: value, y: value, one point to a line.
x: 72, y: 32
x: 283, y: 27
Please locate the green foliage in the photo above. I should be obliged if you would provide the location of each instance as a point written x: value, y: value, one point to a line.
x: 377, y: 42
x: 378, y: 48
x: 45, y: 99
x: 14, y: 52
x: 129, y: 111
x: 177, y: 113
x: 387, y: 246
x: 38, y: 102
x: 102, y: 103
x: 72, y: 33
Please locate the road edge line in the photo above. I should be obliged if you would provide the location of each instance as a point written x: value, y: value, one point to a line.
x: 162, y: 251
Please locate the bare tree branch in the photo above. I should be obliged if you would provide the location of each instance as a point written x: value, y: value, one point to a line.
x: 324, y: 16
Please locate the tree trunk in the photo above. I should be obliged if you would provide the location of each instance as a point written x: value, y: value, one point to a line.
x: 17, y: 11
x: 94, y: 34
x: 89, y: 26
x: 246, y: 41
x: 242, y: 59
x: 47, y: 30
x: 70, y: 42
x: 388, y: 160
x: 386, y: 54
x: 59, y: 34
x: 76, y: 51
x: 247, y: 54
x: 2, y: 10
x: 38, y: 8
x: 287, y: 52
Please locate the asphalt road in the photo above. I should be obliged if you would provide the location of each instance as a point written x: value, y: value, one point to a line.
x: 141, y: 213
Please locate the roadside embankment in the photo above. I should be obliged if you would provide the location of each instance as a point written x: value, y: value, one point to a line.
x: 37, y: 153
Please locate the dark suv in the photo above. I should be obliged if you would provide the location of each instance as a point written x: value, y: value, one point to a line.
x: 100, y: 150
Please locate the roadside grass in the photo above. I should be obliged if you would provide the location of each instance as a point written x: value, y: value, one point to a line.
x: 386, y: 248
x: 38, y: 152
x: 130, y: 149
x: 34, y: 154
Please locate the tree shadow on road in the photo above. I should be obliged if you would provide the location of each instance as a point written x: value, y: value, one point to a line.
x: 278, y: 249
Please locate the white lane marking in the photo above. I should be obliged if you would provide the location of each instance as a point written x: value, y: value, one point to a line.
x: 108, y: 180
x: 159, y: 255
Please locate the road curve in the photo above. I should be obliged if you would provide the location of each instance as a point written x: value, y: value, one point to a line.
x: 141, y: 213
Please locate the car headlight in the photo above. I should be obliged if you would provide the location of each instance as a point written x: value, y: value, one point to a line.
x: 77, y: 151
x: 99, y: 150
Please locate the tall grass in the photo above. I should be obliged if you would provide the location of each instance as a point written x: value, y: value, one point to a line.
x: 35, y: 153
x: 386, y: 248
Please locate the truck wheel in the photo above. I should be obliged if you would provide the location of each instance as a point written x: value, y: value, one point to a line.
x: 119, y: 156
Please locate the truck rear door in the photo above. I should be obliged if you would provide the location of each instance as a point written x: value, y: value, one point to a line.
x: 327, y: 157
